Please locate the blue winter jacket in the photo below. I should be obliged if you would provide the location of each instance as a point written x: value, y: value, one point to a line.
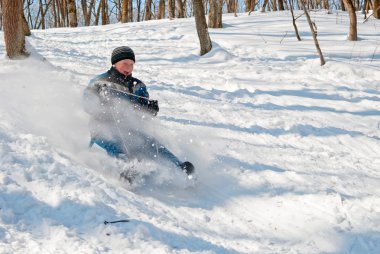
x: 99, y: 100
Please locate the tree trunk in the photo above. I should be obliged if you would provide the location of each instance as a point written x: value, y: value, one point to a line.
x: 294, y: 20
x: 148, y: 10
x: 200, y: 21
x: 215, y: 15
x: 87, y: 11
x: 105, y: 20
x: 62, y: 12
x: 66, y: 12
x: 58, y: 13
x: 25, y: 26
x: 118, y: 5
x: 313, y: 32
x: 281, y: 5
x: 376, y: 9
x: 171, y: 9
x: 274, y: 5
x: 130, y: 10
x: 184, y: 8
x: 42, y: 15
x: 326, y: 5
x: 29, y: 17
x: 1, y: 14
x: 161, y: 10
x: 72, y: 13
x: 124, y: 11
x: 230, y: 6
x: 365, y: 8
x: 236, y: 7
x: 55, y: 24
x: 265, y: 5
x: 252, y: 6
x: 107, y: 16
x: 353, y: 34
x: 138, y: 3
x: 342, y: 5
x: 180, y: 9
x: 248, y: 5
x: 84, y: 10
x: 97, y: 16
x: 286, y: 6
x: 14, y: 36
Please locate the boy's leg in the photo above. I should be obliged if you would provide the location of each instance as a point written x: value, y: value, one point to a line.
x: 161, y: 151
x: 112, y: 148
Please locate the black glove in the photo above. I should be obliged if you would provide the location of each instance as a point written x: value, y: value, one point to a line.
x: 104, y: 93
x: 153, y: 107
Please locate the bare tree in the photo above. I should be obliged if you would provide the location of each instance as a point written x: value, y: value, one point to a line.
x: 104, y: 9
x: 138, y: 4
x: 264, y: 5
x: 353, y: 34
x: 40, y: 22
x: 230, y: 6
x: 1, y: 14
x: 281, y: 5
x: 14, y: 35
x: 236, y: 7
x: 56, y: 18
x: 325, y: 4
x: 180, y: 9
x: 342, y: 5
x: 313, y: 32
x: 171, y: 9
x: 130, y: 10
x: 42, y: 15
x: 376, y: 9
x: 148, y: 10
x: 118, y: 7
x: 87, y: 11
x: 124, y: 11
x: 200, y: 21
x: 294, y: 20
x: 62, y: 13
x: 248, y: 5
x: 72, y: 11
x: 215, y: 15
x: 97, y: 15
x: 252, y: 5
x: 25, y: 26
x: 161, y: 10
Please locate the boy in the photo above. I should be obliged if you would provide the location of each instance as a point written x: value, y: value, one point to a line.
x: 112, y: 94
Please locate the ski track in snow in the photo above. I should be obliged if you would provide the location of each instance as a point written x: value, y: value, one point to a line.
x: 287, y: 152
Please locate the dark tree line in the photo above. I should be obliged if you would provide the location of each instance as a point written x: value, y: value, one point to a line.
x: 42, y: 14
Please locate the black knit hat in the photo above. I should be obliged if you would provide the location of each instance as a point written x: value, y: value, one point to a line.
x: 121, y: 53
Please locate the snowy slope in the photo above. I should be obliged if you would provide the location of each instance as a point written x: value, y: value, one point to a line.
x: 287, y: 152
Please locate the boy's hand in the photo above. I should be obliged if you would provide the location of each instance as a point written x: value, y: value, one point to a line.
x: 153, y: 107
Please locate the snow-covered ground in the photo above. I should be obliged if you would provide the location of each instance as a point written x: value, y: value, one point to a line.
x: 287, y: 152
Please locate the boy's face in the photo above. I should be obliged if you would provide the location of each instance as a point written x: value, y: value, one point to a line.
x: 125, y: 66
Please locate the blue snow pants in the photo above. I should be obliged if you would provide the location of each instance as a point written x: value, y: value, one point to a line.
x: 149, y: 149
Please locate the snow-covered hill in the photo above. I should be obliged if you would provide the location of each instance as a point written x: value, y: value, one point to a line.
x: 287, y: 152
